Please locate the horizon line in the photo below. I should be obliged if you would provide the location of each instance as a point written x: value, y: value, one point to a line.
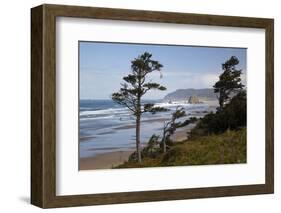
x: 107, y: 98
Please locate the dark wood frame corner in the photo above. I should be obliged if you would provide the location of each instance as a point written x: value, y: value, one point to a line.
x: 43, y: 105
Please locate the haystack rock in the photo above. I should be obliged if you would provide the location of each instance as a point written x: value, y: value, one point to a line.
x: 193, y: 100
x: 184, y: 94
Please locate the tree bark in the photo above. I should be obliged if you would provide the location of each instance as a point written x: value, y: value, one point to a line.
x: 164, y: 145
x: 138, y: 118
x: 138, y: 138
x: 164, y: 139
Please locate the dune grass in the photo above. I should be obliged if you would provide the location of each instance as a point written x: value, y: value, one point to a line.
x: 226, y: 148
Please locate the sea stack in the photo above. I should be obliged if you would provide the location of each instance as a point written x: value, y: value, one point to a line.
x: 193, y: 100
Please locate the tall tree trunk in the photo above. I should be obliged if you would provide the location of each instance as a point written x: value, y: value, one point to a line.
x: 138, y: 138
x: 221, y: 98
x: 164, y: 145
x: 138, y: 118
x: 164, y: 139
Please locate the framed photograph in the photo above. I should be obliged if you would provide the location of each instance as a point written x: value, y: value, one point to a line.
x: 136, y: 106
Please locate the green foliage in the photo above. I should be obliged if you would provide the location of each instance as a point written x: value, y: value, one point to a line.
x: 218, y: 138
x: 232, y: 117
x: 170, y: 127
x: 152, y: 150
x: 229, y: 147
x: 149, y: 86
x: 151, y: 108
x: 229, y: 81
x: 188, y: 121
x: 144, y: 65
x: 226, y: 148
x: 158, y: 109
x: 135, y: 87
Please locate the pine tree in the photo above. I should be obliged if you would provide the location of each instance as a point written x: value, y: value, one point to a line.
x: 229, y: 81
x: 171, y: 126
x: 135, y: 87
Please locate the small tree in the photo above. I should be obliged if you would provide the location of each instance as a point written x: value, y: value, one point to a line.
x: 171, y: 126
x: 152, y: 149
x: 135, y: 87
x: 229, y: 81
x: 233, y: 116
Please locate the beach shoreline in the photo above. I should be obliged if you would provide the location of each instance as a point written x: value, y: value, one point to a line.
x: 104, y: 160
x: 115, y: 158
x: 182, y: 133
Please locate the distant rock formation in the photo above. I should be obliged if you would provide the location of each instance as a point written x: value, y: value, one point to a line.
x: 184, y: 94
x: 193, y: 100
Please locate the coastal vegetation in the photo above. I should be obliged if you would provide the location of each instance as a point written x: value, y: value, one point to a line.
x: 233, y: 116
x: 135, y: 87
x: 228, y: 147
x: 218, y: 137
x: 229, y: 81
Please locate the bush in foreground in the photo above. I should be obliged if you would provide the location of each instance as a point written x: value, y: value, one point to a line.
x: 232, y: 117
x: 226, y: 148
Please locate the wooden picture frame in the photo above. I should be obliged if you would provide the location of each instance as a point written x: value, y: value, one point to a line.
x: 43, y: 105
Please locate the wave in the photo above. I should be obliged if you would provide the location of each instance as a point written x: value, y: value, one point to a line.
x: 124, y: 113
x: 96, y: 118
x: 102, y: 111
x: 173, y: 104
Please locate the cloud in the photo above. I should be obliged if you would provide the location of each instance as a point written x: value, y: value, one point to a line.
x: 208, y: 79
x: 244, y: 78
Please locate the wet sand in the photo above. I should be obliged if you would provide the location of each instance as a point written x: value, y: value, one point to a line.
x: 112, y: 159
x: 181, y: 134
x: 132, y: 126
x: 104, y: 161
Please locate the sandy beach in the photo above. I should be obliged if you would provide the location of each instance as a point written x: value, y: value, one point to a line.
x: 181, y: 134
x: 111, y: 159
x: 104, y: 161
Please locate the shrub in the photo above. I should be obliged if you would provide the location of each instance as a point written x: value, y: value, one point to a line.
x: 151, y: 150
x: 232, y: 117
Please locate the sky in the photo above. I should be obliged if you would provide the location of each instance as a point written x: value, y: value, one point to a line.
x: 103, y: 65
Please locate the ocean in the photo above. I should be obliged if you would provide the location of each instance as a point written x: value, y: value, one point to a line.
x: 105, y: 126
